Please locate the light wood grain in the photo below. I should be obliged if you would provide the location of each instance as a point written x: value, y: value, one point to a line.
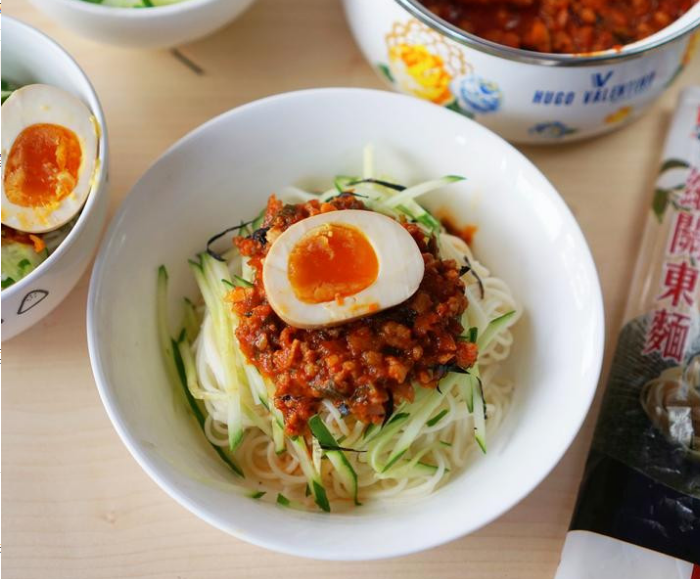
x: 76, y: 505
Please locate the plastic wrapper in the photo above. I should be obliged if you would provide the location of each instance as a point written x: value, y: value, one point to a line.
x: 638, y: 509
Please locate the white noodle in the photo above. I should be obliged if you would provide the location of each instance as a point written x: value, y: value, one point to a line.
x: 281, y: 472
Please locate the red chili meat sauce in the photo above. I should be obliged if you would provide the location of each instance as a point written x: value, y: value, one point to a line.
x: 561, y: 26
x: 363, y: 366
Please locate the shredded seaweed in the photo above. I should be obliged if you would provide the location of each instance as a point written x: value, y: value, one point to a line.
x: 388, y: 407
x: 386, y: 184
x: 467, y: 268
x: 260, y: 235
x: 446, y: 368
x: 483, y: 398
x: 218, y: 256
x: 338, y: 447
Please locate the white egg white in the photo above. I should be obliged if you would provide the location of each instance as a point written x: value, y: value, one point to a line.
x: 400, y: 262
x: 38, y: 104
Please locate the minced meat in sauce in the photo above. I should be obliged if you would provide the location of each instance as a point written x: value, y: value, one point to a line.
x: 561, y: 26
x: 364, y: 366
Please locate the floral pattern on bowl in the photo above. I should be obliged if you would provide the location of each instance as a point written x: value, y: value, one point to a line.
x: 423, y: 64
x: 620, y: 115
x: 476, y: 94
x: 551, y: 130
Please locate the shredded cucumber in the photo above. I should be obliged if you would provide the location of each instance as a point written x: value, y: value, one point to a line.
x: 421, y: 410
x: 337, y: 457
x: 411, y: 193
x: 175, y: 366
x: 19, y: 260
x: 479, y: 415
x: 495, y: 326
x: 313, y: 475
x: 203, y: 273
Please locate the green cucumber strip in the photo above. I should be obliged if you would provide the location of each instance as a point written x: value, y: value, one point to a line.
x: 421, y: 189
x: 320, y: 496
x: 437, y: 418
x: 189, y: 367
x: 423, y: 410
x: 312, y: 475
x: 321, y: 432
x: 480, y: 416
x: 341, y: 183
x: 208, y: 277
x: 376, y: 446
x: 190, y: 320
x: 201, y: 419
x: 257, y: 494
x: 290, y: 504
x: 408, y: 468
x: 407, y: 211
x: 495, y: 326
x: 239, y: 281
x: 336, y: 456
x: 393, y: 458
x: 345, y: 471
x: 397, y: 417
x: 466, y: 388
x: 423, y: 216
x: 471, y: 335
x: 278, y: 436
x: 164, y: 338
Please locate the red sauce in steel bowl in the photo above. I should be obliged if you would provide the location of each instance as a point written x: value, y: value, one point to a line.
x: 561, y: 26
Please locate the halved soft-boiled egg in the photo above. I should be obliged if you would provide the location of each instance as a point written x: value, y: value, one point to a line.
x: 49, y: 154
x: 334, y: 267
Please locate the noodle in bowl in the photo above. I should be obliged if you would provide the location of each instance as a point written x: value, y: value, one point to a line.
x: 445, y: 420
x: 538, y: 376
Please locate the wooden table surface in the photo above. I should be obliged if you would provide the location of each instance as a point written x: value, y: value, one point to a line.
x: 76, y: 505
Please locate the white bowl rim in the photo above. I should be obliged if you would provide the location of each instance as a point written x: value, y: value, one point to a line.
x: 260, y: 540
x: 690, y: 21
x: 135, y: 13
x: 97, y: 189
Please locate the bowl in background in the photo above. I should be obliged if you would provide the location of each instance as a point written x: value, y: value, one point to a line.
x: 28, y: 56
x: 223, y: 172
x: 525, y: 96
x: 159, y: 27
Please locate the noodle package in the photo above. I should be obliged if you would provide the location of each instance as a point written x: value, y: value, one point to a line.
x: 638, y: 510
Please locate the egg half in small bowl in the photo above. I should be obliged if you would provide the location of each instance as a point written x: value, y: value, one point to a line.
x: 49, y: 148
x: 55, y: 155
x: 340, y: 266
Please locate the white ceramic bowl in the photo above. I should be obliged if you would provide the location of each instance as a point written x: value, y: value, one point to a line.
x: 223, y: 172
x: 161, y: 27
x: 28, y: 56
x: 526, y: 97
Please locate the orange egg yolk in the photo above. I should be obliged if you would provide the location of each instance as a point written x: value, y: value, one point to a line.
x: 43, y: 165
x: 332, y: 262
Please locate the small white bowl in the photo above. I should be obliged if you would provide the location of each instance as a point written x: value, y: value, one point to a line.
x: 28, y: 56
x: 160, y: 27
x: 223, y: 172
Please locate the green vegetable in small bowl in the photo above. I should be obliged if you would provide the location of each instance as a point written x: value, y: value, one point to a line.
x: 7, y: 89
x: 20, y: 258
